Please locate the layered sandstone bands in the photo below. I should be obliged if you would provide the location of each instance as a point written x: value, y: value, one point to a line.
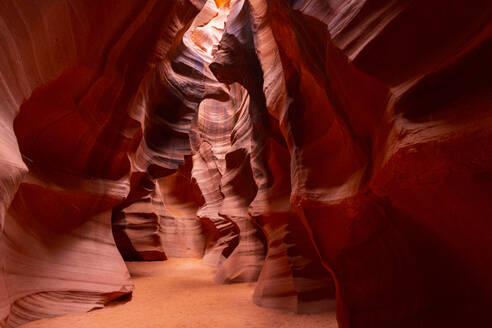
x: 58, y: 253
x: 325, y: 149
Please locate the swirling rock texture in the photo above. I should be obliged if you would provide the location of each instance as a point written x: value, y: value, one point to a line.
x: 329, y: 149
x: 176, y: 202
x: 68, y: 76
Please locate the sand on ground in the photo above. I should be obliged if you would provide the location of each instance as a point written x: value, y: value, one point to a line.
x: 181, y: 293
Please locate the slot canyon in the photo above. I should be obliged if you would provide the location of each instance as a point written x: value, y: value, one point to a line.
x: 246, y: 163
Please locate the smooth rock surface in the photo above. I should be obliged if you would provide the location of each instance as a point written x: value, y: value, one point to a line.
x: 331, y: 149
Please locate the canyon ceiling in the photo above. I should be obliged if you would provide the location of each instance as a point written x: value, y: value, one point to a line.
x: 331, y: 150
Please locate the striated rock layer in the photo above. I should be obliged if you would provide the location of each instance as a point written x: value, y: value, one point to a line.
x: 329, y: 150
x: 68, y: 75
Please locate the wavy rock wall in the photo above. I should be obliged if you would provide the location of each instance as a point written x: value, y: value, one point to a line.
x: 327, y: 149
x: 398, y: 207
x: 68, y: 76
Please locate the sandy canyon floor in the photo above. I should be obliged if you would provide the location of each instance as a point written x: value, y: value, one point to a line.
x: 181, y: 293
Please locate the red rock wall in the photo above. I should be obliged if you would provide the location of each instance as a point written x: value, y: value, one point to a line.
x: 394, y: 185
x: 69, y: 73
x: 328, y: 149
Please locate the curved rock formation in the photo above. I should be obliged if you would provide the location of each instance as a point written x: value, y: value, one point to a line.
x: 389, y: 203
x: 176, y: 202
x: 74, y: 134
x: 329, y: 149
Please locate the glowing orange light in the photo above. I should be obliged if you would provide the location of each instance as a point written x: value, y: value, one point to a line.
x: 220, y: 3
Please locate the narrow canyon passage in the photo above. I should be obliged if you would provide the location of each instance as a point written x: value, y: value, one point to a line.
x: 246, y: 163
x: 182, y: 293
